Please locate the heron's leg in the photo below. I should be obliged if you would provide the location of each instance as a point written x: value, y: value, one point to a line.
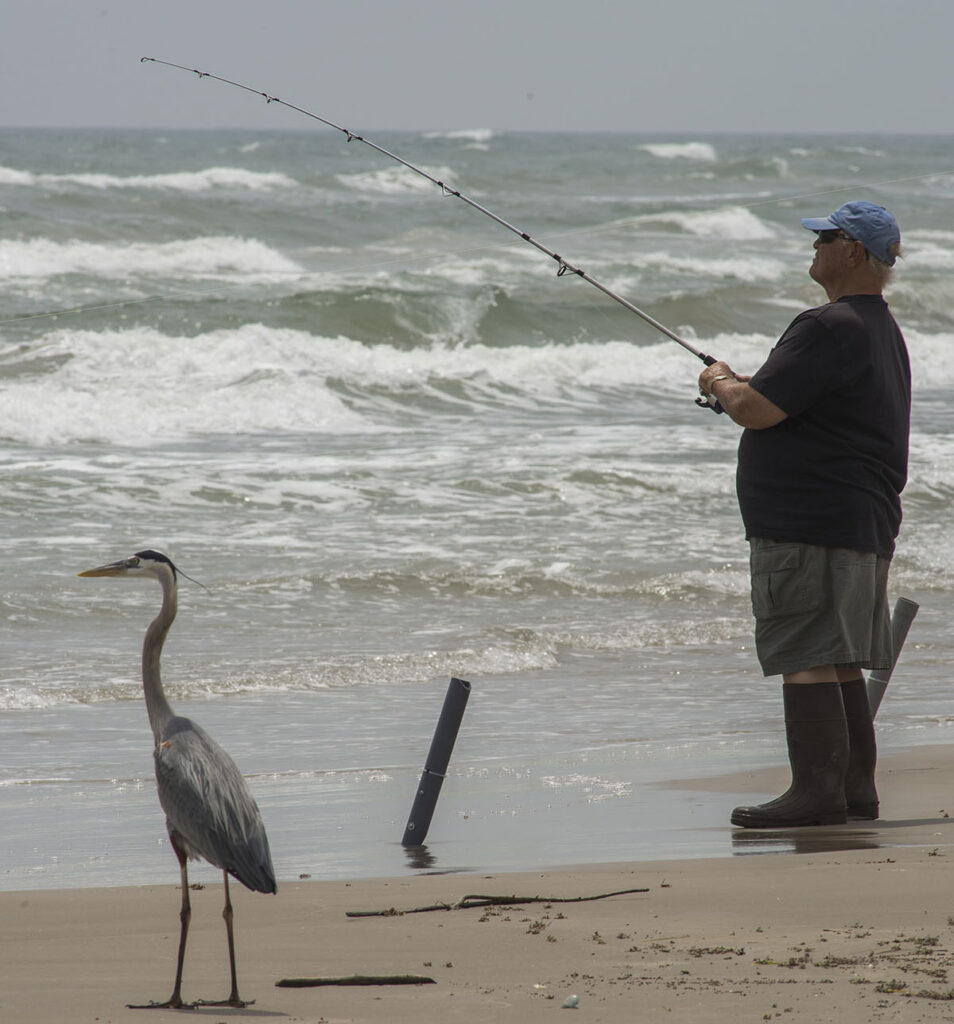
x: 185, y: 916
x: 233, y: 999
x: 227, y: 914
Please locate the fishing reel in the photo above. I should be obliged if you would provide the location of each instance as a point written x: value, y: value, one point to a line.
x: 709, y: 402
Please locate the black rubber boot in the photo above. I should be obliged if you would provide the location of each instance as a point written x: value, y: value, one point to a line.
x: 860, y: 793
x: 818, y: 751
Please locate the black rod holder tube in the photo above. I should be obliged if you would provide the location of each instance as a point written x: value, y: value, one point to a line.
x: 901, y: 619
x: 435, y: 767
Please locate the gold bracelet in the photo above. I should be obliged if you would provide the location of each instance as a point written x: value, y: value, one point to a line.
x: 722, y: 376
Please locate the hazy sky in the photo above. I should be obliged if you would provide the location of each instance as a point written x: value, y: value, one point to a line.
x: 627, y: 65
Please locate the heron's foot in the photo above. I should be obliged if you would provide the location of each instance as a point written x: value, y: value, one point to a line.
x: 232, y: 1001
x: 175, y: 1003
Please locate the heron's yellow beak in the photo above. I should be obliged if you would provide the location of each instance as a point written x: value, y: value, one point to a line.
x: 113, y: 569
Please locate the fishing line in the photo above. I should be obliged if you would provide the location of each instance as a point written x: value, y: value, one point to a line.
x: 564, y: 266
x: 844, y: 188
x: 82, y: 309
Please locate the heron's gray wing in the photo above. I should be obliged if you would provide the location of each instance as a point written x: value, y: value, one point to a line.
x: 208, y: 803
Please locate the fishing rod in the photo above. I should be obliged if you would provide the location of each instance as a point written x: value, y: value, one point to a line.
x: 564, y: 266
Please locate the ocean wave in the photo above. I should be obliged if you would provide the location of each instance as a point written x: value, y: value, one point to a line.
x: 28, y: 698
x: 394, y: 181
x: 703, y: 152
x: 89, y: 385
x: 183, y: 181
x: 464, y: 134
x: 470, y: 272
x: 936, y: 236
x: 141, y: 386
x: 820, y: 149
x: 928, y: 250
x: 930, y: 356
x: 525, y: 654
x: 528, y: 578
x: 733, y: 223
x: 860, y: 151
x: 737, y: 268
x: 209, y: 257
x: 754, y: 268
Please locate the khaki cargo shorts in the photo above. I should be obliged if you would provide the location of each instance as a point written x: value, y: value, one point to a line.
x: 819, y: 606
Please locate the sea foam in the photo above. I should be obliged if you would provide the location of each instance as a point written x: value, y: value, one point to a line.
x: 143, y: 387
x: 928, y: 249
x: 465, y: 134
x: 703, y: 152
x: 393, y: 181
x: 184, y: 181
x: 732, y: 223
x: 214, y: 256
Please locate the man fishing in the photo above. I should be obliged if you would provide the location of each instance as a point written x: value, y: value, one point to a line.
x: 822, y: 463
x: 821, y: 466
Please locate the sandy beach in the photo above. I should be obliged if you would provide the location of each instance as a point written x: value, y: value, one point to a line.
x: 853, y: 923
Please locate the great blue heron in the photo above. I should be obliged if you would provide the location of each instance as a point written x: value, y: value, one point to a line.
x: 210, y: 812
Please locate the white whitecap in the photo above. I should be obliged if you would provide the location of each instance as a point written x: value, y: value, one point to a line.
x: 930, y: 358
x: 213, y: 256
x: 184, y: 181
x: 140, y: 386
x: 742, y: 268
x: 703, y: 152
x: 465, y: 134
x: 732, y: 222
x: 929, y: 249
x: 394, y: 180
x: 12, y: 176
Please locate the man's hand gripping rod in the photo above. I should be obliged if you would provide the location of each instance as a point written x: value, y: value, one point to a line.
x: 565, y: 267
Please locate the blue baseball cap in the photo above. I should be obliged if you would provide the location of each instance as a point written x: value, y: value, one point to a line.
x: 867, y: 223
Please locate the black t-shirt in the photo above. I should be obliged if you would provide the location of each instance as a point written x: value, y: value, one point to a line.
x: 832, y: 472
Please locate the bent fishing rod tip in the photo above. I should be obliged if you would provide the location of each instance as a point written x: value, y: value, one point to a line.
x: 181, y: 67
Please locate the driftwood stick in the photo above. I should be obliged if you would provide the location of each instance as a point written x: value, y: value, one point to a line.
x: 486, y: 901
x: 356, y: 979
x: 469, y: 902
x: 394, y: 912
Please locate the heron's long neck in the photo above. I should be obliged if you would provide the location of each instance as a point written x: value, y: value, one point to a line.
x: 157, y: 706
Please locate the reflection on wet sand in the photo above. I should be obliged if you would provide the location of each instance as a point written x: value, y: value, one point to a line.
x: 837, y: 838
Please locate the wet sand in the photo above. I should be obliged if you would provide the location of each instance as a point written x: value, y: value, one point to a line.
x: 849, y: 924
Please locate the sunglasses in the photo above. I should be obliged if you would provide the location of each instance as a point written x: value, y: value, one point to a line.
x: 824, y: 237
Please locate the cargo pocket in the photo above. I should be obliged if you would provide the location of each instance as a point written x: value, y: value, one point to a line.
x: 779, y: 588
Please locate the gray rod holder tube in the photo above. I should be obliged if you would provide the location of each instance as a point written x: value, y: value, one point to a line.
x: 901, y: 619
x: 435, y: 767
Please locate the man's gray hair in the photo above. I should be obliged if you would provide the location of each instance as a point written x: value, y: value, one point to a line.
x: 883, y: 270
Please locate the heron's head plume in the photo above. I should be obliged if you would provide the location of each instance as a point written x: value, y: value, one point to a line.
x: 143, y: 563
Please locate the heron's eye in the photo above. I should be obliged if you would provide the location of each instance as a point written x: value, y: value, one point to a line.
x: 133, y: 562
